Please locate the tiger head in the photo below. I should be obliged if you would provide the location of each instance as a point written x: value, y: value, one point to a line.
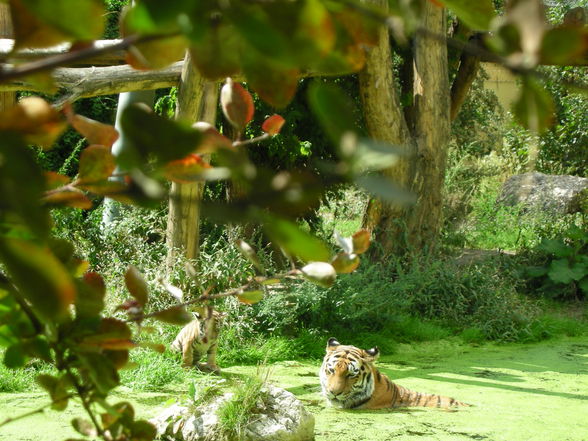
x: 346, y: 374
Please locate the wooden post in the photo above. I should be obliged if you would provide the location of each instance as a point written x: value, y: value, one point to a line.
x: 197, y: 101
x: 7, y: 99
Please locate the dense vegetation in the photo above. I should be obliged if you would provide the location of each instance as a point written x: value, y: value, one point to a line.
x: 536, y: 291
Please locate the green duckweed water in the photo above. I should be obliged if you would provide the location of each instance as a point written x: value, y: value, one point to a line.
x: 518, y: 393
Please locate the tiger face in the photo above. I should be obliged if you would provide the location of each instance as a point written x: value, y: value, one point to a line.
x: 346, y: 375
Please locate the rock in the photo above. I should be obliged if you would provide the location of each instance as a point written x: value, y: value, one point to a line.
x: 556, y: 194
x: 281, y: 417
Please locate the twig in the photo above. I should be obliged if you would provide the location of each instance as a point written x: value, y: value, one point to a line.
x: 67, y: 58
x: 230, y: 293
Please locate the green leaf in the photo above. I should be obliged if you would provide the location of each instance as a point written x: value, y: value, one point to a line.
x: 476, y: 14
x: 295, y: 242
x: 320, y: 273
x: 557, y: 247
x: 583, y: 284
x: 40, y: 277
x: 14, y: 356
x: 561, y: 272
x: 100, y: 370
x: 136, y: 285
x: 91, y: 292
x: 250, y: 297
x: 333, y: 109
x: 215, y: 51
x: 143, y: 431
x: 564, y: 46
x: 384, y: 188
x: 535, y: 107
x: 165, y: 140
x: 176, y: 315
x: 57, y: 389
x: 18, y: 199
x: 96, y: 164
x: 84, y: 22
x: 536, y: 271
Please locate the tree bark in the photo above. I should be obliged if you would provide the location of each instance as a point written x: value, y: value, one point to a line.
x: 197, y: 101
x: 7, y: 99
x: 398, y: 229
x: 385, y: 122
x: 432, y: 129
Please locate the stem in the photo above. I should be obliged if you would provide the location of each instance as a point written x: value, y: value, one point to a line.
x: 82, y: 394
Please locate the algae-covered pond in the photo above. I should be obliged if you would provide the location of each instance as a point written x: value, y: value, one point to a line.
x: 518, y: 392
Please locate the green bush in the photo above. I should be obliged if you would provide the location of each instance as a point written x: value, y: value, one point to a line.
x: 561, y: 265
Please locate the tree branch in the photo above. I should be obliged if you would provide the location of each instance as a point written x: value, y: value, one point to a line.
x: 469, y: 65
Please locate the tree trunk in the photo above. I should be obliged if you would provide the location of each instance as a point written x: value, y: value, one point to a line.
x: 398, y: 229
x: 432, y: 128
x: 7, y: 99
x: 197, y: 101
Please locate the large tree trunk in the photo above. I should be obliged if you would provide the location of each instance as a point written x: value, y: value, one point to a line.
x: 397, y: 228
x: 432, y: 128
x: 197, y: 101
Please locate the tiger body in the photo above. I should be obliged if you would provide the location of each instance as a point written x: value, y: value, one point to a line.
x: 197, y: 338
x: 350, y: 380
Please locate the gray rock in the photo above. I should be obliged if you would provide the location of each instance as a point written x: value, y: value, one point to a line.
x: 556, y: 194
x: 281, y: 417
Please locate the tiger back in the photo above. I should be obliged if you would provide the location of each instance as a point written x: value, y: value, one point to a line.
x: 197, y: 338
x: 350, y: 380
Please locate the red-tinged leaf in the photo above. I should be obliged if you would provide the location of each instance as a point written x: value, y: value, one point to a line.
x: 274, y: 84
x: 345, y: 263
x: 250, y: 297
x: 212, y: 139
x: 136, y: 285
x: 55, y: 180
x: 176, y: 315
x: 361, y: 241
x: 273, y: 125
x: 316, y: 28
x: 67, y: 198
x: 320, y: 273
x: 39, y: 276
x: 186, y: 170
x: 113, y: 344
x: 237, y: 104
x: 94, y: 131
x: 35, y: 119
x: 112, y: 189
x: 84, y: 427
x: 29, y: 31
x: 96, y: 164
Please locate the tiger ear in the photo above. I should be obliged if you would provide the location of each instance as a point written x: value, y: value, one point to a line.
x: 373, y: 353
x: 332, y: 343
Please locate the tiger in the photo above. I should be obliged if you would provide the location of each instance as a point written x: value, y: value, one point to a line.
x: 200, y: 337
x: 349, y: 380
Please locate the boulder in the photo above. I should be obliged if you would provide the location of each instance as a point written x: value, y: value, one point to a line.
x: 556, y: 194
x: 281, y: 417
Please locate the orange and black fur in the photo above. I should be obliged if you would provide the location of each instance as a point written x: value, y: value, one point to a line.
x: 350, y: 380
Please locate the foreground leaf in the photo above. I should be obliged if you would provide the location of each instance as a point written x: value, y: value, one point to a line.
x: 320, y: 273
x: 39, y: 276
x: 250, y: 297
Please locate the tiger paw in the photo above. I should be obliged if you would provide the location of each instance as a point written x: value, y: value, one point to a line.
x: 205, y: 367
